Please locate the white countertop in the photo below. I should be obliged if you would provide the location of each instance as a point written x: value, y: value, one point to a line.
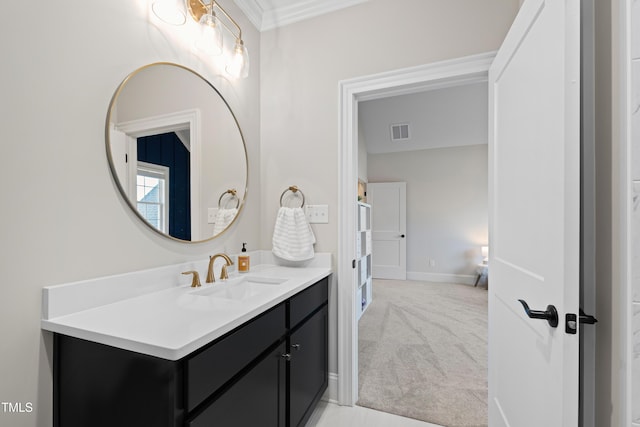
x: 173, y: 322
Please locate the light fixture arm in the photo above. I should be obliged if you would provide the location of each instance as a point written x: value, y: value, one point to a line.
x: 197, y: 8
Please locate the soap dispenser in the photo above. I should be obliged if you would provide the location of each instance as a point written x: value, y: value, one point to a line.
x: 243, y: 260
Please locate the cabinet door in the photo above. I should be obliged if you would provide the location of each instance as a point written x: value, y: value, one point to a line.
x: 257, y: 399
x: 211, y: 368
x: 308, y: 367
x: 102, y: 386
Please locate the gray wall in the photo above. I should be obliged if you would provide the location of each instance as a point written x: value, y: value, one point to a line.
x: 608, y: 398
x: 62, y: 218
x: 447, y: 208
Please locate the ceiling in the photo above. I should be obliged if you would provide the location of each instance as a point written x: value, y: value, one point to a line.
x: 270, y: 14
x: 440, y: 118
x: 448, y: 117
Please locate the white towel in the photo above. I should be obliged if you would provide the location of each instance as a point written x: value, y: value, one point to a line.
x: 293, y: 237
x: 223, y: 219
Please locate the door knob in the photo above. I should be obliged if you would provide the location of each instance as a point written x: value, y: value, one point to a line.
x: 550, y: 314
x: 402, y: 235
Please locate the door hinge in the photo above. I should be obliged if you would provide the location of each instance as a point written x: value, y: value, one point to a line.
x: 353, y: 264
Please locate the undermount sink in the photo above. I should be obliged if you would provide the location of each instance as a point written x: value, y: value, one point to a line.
x: 239, y: 288
x: 265, y: 280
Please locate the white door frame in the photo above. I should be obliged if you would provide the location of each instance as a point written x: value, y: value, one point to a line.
x: 623, y: 208
x: 466, y: 70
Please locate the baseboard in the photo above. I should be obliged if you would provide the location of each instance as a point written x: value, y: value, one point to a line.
x: 331, y: 394
x: 465, y: 279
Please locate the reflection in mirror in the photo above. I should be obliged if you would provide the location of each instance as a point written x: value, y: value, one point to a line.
x: 176, y: 152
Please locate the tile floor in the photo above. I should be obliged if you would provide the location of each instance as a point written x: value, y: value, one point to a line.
x: 332, y: 415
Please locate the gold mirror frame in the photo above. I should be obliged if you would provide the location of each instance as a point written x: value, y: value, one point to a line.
x: 113, y: 169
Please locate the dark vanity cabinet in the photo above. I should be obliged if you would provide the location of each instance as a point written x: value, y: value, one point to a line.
x: 257, y: 398
x: 270, y: 371
x: 308, y: 361
x: 101, y: 386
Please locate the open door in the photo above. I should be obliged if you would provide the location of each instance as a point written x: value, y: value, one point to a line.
x: 534, y: 218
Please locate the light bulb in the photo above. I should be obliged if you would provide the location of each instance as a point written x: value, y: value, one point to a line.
x: 170, y: 11
x: 210, y: 40
x: 238, y: 66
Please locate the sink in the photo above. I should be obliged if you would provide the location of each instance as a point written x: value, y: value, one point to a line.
x: 237, y: 292
x: 239, y: 288
x: 266, y: 280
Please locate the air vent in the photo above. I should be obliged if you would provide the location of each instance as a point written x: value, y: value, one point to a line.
x: 400, y: 132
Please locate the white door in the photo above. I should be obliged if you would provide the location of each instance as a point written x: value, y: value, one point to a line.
x: 388, y: 229
x: 534, y: 153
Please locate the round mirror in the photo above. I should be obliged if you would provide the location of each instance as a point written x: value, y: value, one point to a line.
x: 176, y: 152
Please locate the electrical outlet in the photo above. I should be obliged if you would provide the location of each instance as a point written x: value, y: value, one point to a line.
x: 432, y: 262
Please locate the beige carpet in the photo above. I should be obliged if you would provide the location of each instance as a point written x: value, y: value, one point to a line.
x: 423, y: 352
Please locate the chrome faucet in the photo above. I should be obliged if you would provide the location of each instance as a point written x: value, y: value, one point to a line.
x: 223, y: 273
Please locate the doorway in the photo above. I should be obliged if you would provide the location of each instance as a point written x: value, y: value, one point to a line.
x: 423, y: 341
x: 373, y: 87
x: 439, y: 75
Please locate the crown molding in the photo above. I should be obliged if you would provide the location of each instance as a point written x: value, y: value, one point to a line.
x: 253, y: 10
x: 269, y: 18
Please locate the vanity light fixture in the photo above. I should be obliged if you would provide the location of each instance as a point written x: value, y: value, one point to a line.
x: 210, y: 39
x: 169, y: 12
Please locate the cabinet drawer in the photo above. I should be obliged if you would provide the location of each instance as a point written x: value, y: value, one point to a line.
x: 304, y: 303
x: 211, y: 368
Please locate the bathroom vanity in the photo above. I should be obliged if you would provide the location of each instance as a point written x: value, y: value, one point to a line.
x: 269, y: 370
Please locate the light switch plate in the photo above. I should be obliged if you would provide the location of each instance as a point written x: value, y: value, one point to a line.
x: 317, y: 214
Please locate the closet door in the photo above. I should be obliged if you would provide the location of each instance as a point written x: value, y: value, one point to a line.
x: 388, y: 229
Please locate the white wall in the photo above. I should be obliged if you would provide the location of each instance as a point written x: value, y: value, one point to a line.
x: 630, y: 70
x: 634, y: 257
x: 302, y: 64
x: 447, y: 208
x: 62, y: 218
x: 363, y: 173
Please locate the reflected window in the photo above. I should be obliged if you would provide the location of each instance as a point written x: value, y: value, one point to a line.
x: 152, y: 197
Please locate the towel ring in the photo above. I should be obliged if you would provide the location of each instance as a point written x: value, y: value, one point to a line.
x: 233, y: 193
x: 294, y: 189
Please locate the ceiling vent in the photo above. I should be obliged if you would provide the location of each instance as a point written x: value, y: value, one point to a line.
x: 400, y: 132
